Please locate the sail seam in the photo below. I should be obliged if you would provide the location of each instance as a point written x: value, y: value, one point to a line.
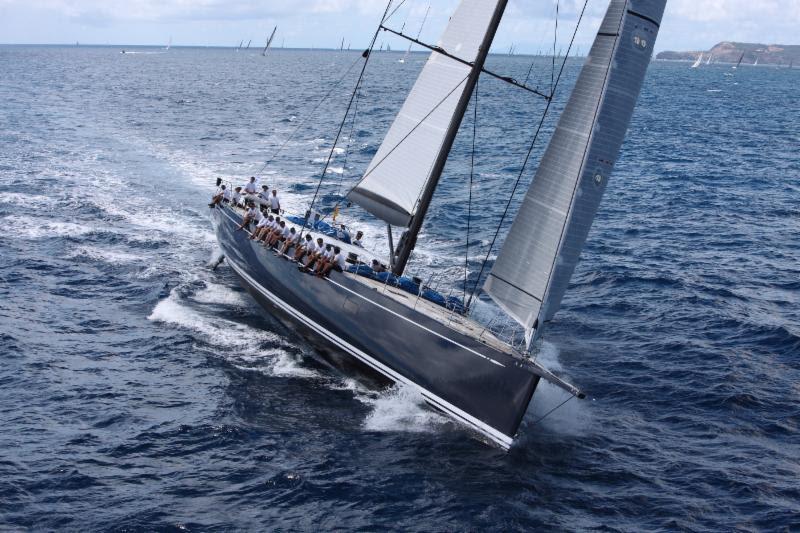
x: 520, y: 289
x: 644, y: 17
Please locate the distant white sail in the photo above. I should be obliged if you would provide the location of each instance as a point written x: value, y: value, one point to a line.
x: 542, y: 248
x: 698, y: 61
x: 400, y: 169
x: 708, y: 61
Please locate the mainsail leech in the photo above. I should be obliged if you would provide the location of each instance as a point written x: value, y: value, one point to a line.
x: 542, y: 248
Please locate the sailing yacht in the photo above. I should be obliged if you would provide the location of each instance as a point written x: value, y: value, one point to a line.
x: 390, y: 324
x: 269, y: 41
x: 698, y: 61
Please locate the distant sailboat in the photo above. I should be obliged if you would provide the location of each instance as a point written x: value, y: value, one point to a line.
x: 248, y: 44
x: 169, y: 44
x: 755, y: 62
x: 341, y: 46
x: 419, y: 32
x: 269, y: 41
x: 708, y: 61
x: 738, y: 62
x: 698, y: 61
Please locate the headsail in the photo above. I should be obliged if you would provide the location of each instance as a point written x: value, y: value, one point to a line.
x: 403, y: 164
x: 542, y: 248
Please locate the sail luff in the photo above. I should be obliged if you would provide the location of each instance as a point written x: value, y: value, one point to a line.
x: 393, y: 184
x: 544, y: 243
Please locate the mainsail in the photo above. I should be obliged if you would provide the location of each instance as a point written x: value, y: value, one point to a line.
x: 269, y: 41
x: 542, y: 248
x: 406, y: 160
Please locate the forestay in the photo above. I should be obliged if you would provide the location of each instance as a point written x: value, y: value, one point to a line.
x: 542, y: 248
x: 400, y: 169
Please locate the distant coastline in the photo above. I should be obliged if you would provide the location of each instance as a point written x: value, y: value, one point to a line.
x: 730, y: 52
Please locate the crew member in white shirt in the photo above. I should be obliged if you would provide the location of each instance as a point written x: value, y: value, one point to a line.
x: 278, y: 234
x: 236, y: 197
x: 218, y: 196
x: 252, y: 214
x: 337, y: 262
x: 261, y: 227
x: 275, y: 202
x: 314, y: 257
x: 251, y: 188
x: 293, y: 239
x: 307, y: 247
x: 359, y: 236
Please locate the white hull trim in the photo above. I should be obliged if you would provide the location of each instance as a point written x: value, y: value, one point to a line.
x: 501, y: 439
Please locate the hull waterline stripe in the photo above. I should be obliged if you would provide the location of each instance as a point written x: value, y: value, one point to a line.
x: 501, y: 439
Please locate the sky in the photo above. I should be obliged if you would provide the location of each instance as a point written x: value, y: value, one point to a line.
x: 528, y: 25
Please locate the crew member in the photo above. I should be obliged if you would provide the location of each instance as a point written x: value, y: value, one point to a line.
x: 252, y: 214
x: 275, y: 202
x: 219, y: 196
x: 357, y: 241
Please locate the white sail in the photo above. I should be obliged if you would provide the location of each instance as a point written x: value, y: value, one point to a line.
x: 698, y: 61
x: 544, y: 243
x: 400, y: 169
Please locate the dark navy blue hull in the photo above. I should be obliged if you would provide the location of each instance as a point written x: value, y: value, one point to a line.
x: 482, y: 387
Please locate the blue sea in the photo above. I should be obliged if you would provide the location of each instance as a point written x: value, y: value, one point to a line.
x: 140, y: 390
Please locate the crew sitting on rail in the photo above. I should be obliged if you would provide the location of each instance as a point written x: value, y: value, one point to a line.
x: 236, y: 197
x: 336, y: 262
x: 324, y: 258
x: 275, y: 227
x: 261, y: 228
x: 252, y: 214
x: 293, y: 239
x: 307, y: 247
x: 221, y: 194
x: 312, y: 258
x: 279, y: 234
x: 357, y: 241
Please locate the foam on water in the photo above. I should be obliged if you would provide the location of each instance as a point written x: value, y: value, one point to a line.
x: 214, y: 293
x: 401, y: 408
x: 27, y: 227
x: 106, y: 255
x: 213, y: 330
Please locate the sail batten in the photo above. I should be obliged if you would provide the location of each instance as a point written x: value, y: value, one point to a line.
x: 398, y: 173
x: 533, y: 269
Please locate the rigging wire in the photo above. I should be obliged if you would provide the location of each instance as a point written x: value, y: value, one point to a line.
x: 555, y: 40
x: 350, y: 137
x: 551, y: 411
x: 366, y: 57
x: 527, y: 156
x: 471, y: 176
x: 308, y: 116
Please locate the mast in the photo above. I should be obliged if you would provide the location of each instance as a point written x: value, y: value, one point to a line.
x: 409, y: 240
